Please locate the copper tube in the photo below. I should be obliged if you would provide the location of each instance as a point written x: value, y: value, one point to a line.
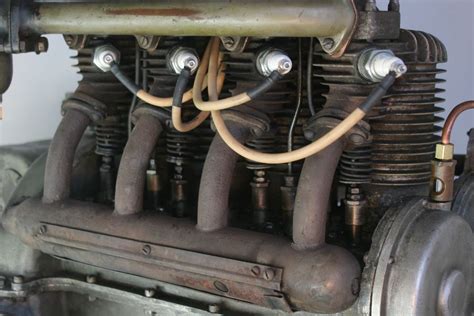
x: 448, y: 125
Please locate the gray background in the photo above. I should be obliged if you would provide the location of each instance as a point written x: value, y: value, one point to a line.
x: 31, y: 106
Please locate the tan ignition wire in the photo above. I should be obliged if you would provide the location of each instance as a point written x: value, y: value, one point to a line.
x: 339, y: 131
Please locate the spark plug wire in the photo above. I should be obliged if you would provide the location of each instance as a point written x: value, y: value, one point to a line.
x: 337, y: 132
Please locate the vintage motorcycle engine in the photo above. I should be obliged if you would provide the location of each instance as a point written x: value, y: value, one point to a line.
x: 308, y: 176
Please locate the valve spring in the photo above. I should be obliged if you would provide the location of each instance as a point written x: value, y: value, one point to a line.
x: 279, y: 102
x: 111, y: 133
x: 180, y: 147
x: 403, y: 126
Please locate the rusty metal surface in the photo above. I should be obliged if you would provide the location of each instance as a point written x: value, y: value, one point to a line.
x: 134, y: 163
x: 403, y: 126
x: 442, y: 180
x: 255, y: 283
x: 214, y: 190
x: 337, y: 275
x: 58, y: 172
x: 312, y: 197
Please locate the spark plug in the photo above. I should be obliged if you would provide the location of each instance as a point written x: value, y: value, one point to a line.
x: 375, y: 64
x: 180, y: 58
x: 105, y: 57
x: 271, y: 60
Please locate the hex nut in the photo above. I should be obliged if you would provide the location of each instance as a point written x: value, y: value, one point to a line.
x: 149, y: 293
x: 444, y: 151
x: 18, y: 279
x: 91, y: 279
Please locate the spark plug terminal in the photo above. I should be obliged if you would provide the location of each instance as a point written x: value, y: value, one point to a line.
x: 105, y: 56
x: 182, y: 57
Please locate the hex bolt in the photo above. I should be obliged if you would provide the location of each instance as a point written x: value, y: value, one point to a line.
x: 328, y: 43
x: 143, y: 41
x: 41, y: 46
x: 92, y: 279
x: 255, y: 270
x: 269, y: 274
x: 69, y: 39
x: 18, y: 279
x: 214, y: 309
x: 228, y: 41
x: 146, y: 250
x: 357, y: 139
x: 149, y: 292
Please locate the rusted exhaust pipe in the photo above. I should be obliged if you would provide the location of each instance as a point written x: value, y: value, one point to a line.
x: 214, y: 190
x: 80, y: 111
x: 57, y: 177
x: 131, y: 175
x: 253, y: 267
x: 312, y: 197
x: 332, y: 21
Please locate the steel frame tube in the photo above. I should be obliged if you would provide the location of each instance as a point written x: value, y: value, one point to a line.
x: 131, y: 175
x: 58, y: 172
x: 334, y: 19
x: 214, y: 190
x: 319, y: 280
x: 312, y: 197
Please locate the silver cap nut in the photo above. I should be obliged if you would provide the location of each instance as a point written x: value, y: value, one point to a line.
x: 104, y: 56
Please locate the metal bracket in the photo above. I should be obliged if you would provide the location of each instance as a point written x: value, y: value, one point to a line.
x: 337, y: 44
x: 249, y: 282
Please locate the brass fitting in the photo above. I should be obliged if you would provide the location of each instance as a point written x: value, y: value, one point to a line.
x: 442, y: 174
x: 444, y: 152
